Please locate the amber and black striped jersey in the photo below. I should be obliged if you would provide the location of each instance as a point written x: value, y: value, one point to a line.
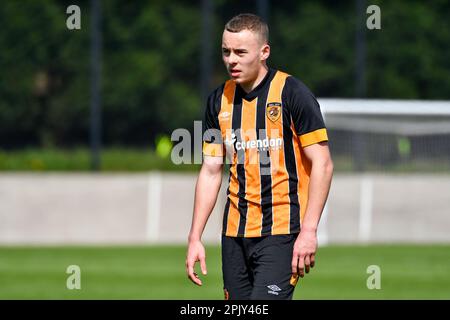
x: 261, y: 134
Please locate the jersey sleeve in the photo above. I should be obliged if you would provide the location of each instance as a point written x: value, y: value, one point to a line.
x: 305, y: 112
x: 212, y: 137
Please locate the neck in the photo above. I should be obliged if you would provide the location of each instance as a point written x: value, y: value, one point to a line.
x: 249, y: 86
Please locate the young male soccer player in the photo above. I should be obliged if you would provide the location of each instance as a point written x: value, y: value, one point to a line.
x: 268, y: 124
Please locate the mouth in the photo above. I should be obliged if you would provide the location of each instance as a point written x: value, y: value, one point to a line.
x: 235, y: 72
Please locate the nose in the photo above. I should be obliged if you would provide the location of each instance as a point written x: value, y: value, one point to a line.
x: 232, y: 59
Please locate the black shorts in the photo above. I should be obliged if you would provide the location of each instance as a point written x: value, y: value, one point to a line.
x: 258, y: 268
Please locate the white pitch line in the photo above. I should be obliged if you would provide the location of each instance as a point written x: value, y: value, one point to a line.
x: 365, y: 212
x: 153, y: 206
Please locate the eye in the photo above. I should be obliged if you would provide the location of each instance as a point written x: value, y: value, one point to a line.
x: 225, y: 51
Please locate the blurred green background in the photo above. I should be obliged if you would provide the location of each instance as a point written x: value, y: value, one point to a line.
x: 151, y: 67
x: 157, y: 272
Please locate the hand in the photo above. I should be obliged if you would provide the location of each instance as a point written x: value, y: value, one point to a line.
x: 196, y: 252
x: 303, y: 256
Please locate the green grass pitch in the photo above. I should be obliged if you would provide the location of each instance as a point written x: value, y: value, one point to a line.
x: 157, y: 272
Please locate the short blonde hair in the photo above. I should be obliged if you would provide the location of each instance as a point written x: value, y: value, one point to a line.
x: 248, y: 21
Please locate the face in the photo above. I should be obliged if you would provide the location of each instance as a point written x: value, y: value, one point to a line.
x: 244, y: 55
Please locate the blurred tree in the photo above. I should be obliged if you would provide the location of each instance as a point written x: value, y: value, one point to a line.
x: 43, y: 87
x: 151, y: 58
x: 314, y: 41
x: 151, y: 62
x: 409, y: 57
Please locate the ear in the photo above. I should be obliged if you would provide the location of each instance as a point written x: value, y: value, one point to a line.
x: 265, y: 52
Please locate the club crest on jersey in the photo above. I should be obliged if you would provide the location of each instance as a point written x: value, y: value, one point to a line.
x: 273, y: 111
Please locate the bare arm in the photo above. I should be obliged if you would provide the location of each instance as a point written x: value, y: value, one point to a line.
x: 206, y: 191
x: 319, y: 185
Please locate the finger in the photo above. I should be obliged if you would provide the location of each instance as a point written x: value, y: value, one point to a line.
x: 294, y: 264
x: 196, y: 280
x: 203, y: 265
x: 307, y: 263
x: 313, y: 260
x: 301, y: 266
x: 192, y: 275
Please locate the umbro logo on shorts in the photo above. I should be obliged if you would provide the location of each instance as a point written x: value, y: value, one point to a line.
x: 273, y: 289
